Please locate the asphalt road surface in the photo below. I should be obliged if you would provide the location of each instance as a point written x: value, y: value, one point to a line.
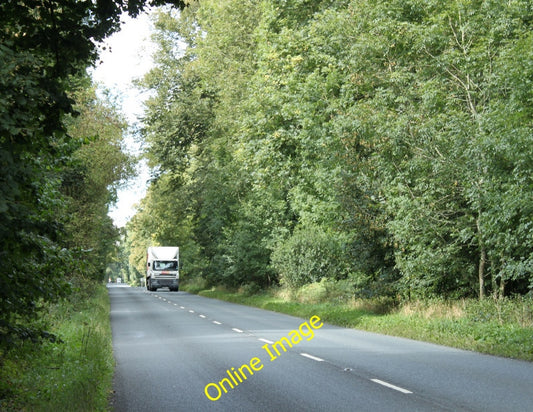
x: 170, y: 346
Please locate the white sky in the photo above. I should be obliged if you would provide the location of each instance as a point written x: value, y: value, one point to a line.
x: 128, y: 57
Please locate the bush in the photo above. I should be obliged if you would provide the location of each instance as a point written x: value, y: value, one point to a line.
x: 327, y: 290
x: 245, y: 258
x: 313, y: 293
x: 508, y: 311
x: 194, y: 285
x: 250, y: 289
x: 308, y: 256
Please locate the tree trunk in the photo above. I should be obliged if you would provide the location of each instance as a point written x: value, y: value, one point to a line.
x: 481, y: 273
x: 482, y: 262
x: 502, y: 288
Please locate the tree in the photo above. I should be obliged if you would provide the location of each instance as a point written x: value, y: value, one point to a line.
x: 91, y: 181
x: 191, y: 119
x: 396, y: 132
x: 43, y: 46
x: 439, y: 147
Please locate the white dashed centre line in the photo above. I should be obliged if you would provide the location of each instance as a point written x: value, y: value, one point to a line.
x: 237, y: 330
x: 182, y: 307
x: 191, y: 311
x: 389, y: 385
x: 312, y: 357
x: 266, y: 341
x: 217, y: 323
x: 202, y: 316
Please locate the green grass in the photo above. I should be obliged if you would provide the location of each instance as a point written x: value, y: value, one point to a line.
x: 502, y: 328
x: 75, y: 375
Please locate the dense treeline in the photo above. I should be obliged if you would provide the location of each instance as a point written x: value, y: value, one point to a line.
x: 60, y: 155
x: 386, y: 142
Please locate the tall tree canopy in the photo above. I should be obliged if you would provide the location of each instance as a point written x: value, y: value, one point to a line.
x: 44, y: 46
x: 388, y: 142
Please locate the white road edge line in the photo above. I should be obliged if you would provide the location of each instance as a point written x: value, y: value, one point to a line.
x: 237, y: 330
x: 217, y: 323
x: 312, y: 357
x: 266, y: 341
x: 389, y: 385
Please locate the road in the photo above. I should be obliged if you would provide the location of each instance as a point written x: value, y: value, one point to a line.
x: 169, y: 346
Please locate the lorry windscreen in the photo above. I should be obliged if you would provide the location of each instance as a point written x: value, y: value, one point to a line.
x: 165, y: 265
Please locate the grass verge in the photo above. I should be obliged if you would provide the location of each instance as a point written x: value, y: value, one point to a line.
x: 501, y: 328
x: 75, y: 375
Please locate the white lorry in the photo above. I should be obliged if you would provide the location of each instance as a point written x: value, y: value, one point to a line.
x: 162, y: 268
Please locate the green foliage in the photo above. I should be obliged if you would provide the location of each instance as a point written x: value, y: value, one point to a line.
x: 90, y: 182
x: 72, y: 374
x: 503, y: 329
x: 384, y: 142
x: 188, y: 144
x: 427, y: 134
x: 44, y: 48
x: 245, y: 256
x: 29, y: 193
x: 162, y: 219
x: 308, y: 256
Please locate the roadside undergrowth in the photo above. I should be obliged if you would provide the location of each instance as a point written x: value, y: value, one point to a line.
x: 497, y: 327
x: 72, y: 375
